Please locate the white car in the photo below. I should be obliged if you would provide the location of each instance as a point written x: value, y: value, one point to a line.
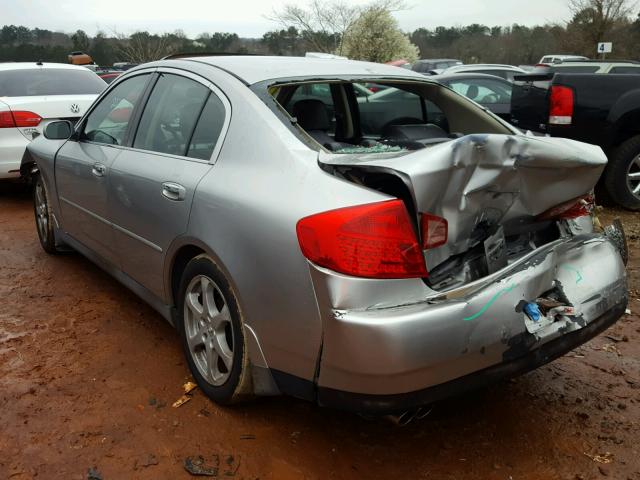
x: 503, y: 71
x: 35, y: 94
x: 551, y: 59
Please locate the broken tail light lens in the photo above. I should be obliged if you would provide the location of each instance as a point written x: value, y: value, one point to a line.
x: 578, y: 207
x: 372, y: 241
x: 435, y: 231
x: 20, y: 118
x: 561, y: 105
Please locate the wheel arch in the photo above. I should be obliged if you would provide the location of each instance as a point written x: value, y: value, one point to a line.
x: 625, y: 117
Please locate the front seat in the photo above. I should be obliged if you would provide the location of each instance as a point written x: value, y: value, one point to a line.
x: 312, y: 116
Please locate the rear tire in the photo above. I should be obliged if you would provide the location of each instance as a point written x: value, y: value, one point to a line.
x: 44, y: 216
x: 210, y: 324
x: 623, y: 162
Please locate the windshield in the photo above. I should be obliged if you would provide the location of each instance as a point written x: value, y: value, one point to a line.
x: 49, y: 81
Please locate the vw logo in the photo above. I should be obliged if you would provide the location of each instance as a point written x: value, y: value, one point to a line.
x: 75, y: 108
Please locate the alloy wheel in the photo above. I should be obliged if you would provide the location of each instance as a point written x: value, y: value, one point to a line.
x: 42, y: 211
x: 209, y: 330
x: 633, y: 177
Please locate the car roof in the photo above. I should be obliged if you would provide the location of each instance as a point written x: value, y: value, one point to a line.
x: 430, y: 60
x: 255, y: 69
x: 564, y: 56
x: 485, y: 66
x: 597, y: 62
x: 4, y: 66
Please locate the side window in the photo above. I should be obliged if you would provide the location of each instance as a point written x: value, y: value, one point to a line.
x: 108, y: 122
x: 483, y: 91
x: 170, y: 115
x: 207, y: 131
x: 633, y: 70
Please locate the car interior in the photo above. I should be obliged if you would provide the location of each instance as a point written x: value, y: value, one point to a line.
x: 403, y: 116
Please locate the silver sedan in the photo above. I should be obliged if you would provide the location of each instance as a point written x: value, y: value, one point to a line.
x: 368, y: 255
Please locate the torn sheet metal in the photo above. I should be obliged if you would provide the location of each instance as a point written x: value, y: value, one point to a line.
x: 485, y: 180
x: 441, y: 338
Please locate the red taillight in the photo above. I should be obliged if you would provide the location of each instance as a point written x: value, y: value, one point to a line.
x: 435, y: 231
x: 372, y: 241
x: 578, y: 207
x: 6, y: 120
x: 561, y: 106
x: 19, y: 118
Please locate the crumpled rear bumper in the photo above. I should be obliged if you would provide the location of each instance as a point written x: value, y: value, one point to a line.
x: 386, y: 357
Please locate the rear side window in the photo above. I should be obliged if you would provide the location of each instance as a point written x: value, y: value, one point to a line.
x: 49, y: 81
x: 170, y: 115
x: 108, y: 122
x: 207, y: 131
x: 634, y: 70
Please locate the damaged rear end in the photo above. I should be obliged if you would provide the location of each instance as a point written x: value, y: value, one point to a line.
x: 485, y: 262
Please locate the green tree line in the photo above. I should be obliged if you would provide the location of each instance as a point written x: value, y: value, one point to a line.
x: 515, y: 44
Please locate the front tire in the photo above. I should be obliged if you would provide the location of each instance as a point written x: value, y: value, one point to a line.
x: 44, y: 216
x: 622, y: 176
x: 210, y: 324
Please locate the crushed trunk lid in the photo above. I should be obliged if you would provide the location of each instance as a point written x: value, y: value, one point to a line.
x: 480, y: 183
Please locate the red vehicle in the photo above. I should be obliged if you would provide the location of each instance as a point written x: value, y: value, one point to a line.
x: 109, y: 76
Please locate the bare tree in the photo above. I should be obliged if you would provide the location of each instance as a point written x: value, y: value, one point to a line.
x: 597, y: 18
x: 142, y: 47
x: 324, y: 23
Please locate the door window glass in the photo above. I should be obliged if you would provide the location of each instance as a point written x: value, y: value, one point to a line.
x: 108, y: 122
x: 484, y: 90
x: 170, y: 115
x: 633, y: 70
x: 205, y: 136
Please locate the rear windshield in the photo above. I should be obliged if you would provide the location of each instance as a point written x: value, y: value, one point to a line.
x: 350, y: 117
x: 49, y: 81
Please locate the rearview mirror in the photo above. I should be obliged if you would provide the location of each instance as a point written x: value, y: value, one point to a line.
x: 60, y: 130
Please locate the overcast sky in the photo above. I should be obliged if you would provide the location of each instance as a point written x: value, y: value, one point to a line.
x: 246, y: 17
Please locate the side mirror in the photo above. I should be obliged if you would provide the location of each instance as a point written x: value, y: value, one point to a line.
x: 60, y: 130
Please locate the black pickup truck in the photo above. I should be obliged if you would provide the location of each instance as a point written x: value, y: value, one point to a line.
x: 600, y: 109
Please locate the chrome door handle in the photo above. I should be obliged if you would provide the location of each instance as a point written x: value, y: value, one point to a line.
x: 174, y: 191
x: 98, y: 169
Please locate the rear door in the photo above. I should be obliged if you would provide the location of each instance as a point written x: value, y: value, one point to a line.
x: 152, y: 183
x: 84, y: 162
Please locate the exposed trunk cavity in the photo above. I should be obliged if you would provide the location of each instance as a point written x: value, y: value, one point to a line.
x: 489, y: 188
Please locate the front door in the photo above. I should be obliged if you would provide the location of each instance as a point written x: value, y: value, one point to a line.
x: 83, y: 167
